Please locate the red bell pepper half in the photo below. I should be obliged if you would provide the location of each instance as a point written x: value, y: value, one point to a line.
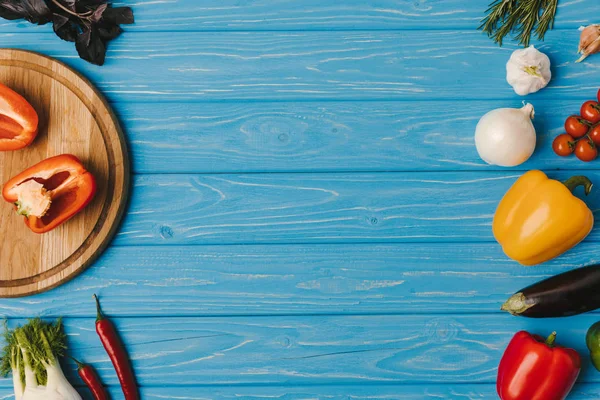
x: 18, y: 120
x: 50, y: 192
x: 536, y: 369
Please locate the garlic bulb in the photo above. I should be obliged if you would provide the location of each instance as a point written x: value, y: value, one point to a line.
x: 528, y: 70
x: 506, y: 136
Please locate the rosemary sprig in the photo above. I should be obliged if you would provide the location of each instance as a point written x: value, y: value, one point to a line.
x: 519, y: 17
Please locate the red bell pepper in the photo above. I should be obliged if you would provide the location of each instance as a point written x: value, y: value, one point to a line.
x: 534, y: 369
x: 18, y: 120
x: 50, y: 192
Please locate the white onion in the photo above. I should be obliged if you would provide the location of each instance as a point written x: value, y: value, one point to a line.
x: 506, y: 136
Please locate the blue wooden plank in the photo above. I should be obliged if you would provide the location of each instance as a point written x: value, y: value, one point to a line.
x: 300, y: 279
x: 328, y: 350
x: 354, y: 392
x: 230, y: 15
x: 332, y: 136
x: 344, y: 392
x: 259, y: 66
x: 319, y: 208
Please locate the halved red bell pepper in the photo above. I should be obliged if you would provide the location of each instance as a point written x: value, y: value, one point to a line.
x: 536, y: 369
x: 50, y: 192
x: 18, y: 120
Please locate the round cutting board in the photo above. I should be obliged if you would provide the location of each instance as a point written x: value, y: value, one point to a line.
x: 76, y: 119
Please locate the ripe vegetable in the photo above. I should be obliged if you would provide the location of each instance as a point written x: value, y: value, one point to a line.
x: 18, y: 120
x: 528, y: 70
x: 92, y: 380
x: 592, y: 340
x: 563, y: 145
x: 570, y: 293
x: 506, y: 136
x: 116, y: 351
x: 31, y: 356
x: 576, y: 126
x: 586, y: 150
x: 50, y: 192
x: 594, y: 134
x: 590, y: 110
x: 538, y: 218
x: 534, y: 368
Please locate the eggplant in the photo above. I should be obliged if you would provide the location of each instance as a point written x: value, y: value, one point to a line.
x: 570, y: 293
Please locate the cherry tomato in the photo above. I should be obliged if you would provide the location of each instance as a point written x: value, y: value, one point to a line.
x: 586, y: 150
x: 590, y: 110
x: 595, y: 135
x: 576, y: 126
x: 564, y: 145
x: 598, y: 94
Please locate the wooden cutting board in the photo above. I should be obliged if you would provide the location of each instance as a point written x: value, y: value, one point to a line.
x: 75, y: 119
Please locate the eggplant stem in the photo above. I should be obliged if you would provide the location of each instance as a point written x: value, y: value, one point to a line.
x: 516, y: 304
x: 579, y: 180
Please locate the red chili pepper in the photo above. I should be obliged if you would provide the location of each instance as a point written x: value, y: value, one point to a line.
x: 50, y: 192
x: 91, y: 379
x: 113, y: 346
x: 18, y: 120
x: 532, y: 368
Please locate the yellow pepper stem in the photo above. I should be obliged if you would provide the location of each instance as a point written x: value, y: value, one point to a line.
x: 579, y: 180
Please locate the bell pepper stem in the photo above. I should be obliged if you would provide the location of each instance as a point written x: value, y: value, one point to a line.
x: 579, y: 180
x: 551, y: 339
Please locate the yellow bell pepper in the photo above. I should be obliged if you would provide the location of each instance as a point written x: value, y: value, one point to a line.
x: 538, y: 219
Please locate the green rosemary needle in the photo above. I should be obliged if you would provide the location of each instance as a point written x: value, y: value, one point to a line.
x: 519, y: 17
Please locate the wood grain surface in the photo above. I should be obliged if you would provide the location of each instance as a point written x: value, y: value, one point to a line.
x: 331, y: 136
x: 321, y: 208
x: 321, y: 65
x: 74, y: 119
x: 309, y: 218
x: 291, y: 15
x: 317, y: 350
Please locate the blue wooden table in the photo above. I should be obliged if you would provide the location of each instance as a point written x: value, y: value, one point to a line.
x: 309, y: 217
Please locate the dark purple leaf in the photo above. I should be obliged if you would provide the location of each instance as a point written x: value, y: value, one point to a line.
x: 90, y: 47
x: 119, y: 15
x: 84, y: 37
x: 70, y: 4
x: 91, y: 24
x: 109, y: 32
x: 34, y: 11
x: 64, y: 28
x: 97, y: 14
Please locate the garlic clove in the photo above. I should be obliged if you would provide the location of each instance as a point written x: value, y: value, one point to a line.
x: 589, y: 41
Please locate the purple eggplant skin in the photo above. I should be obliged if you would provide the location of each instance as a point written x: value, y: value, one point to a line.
x: 570, y: 293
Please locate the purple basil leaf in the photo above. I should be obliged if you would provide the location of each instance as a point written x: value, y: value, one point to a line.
x: 91, y: 48
x: 64, y: 28
x: 109, y: 32
x: 118, y: 15
x: 10, y: 15
x: 97, y: 15
x: 34, y: 11
x: 70, y: 4
x: 84, y: 37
